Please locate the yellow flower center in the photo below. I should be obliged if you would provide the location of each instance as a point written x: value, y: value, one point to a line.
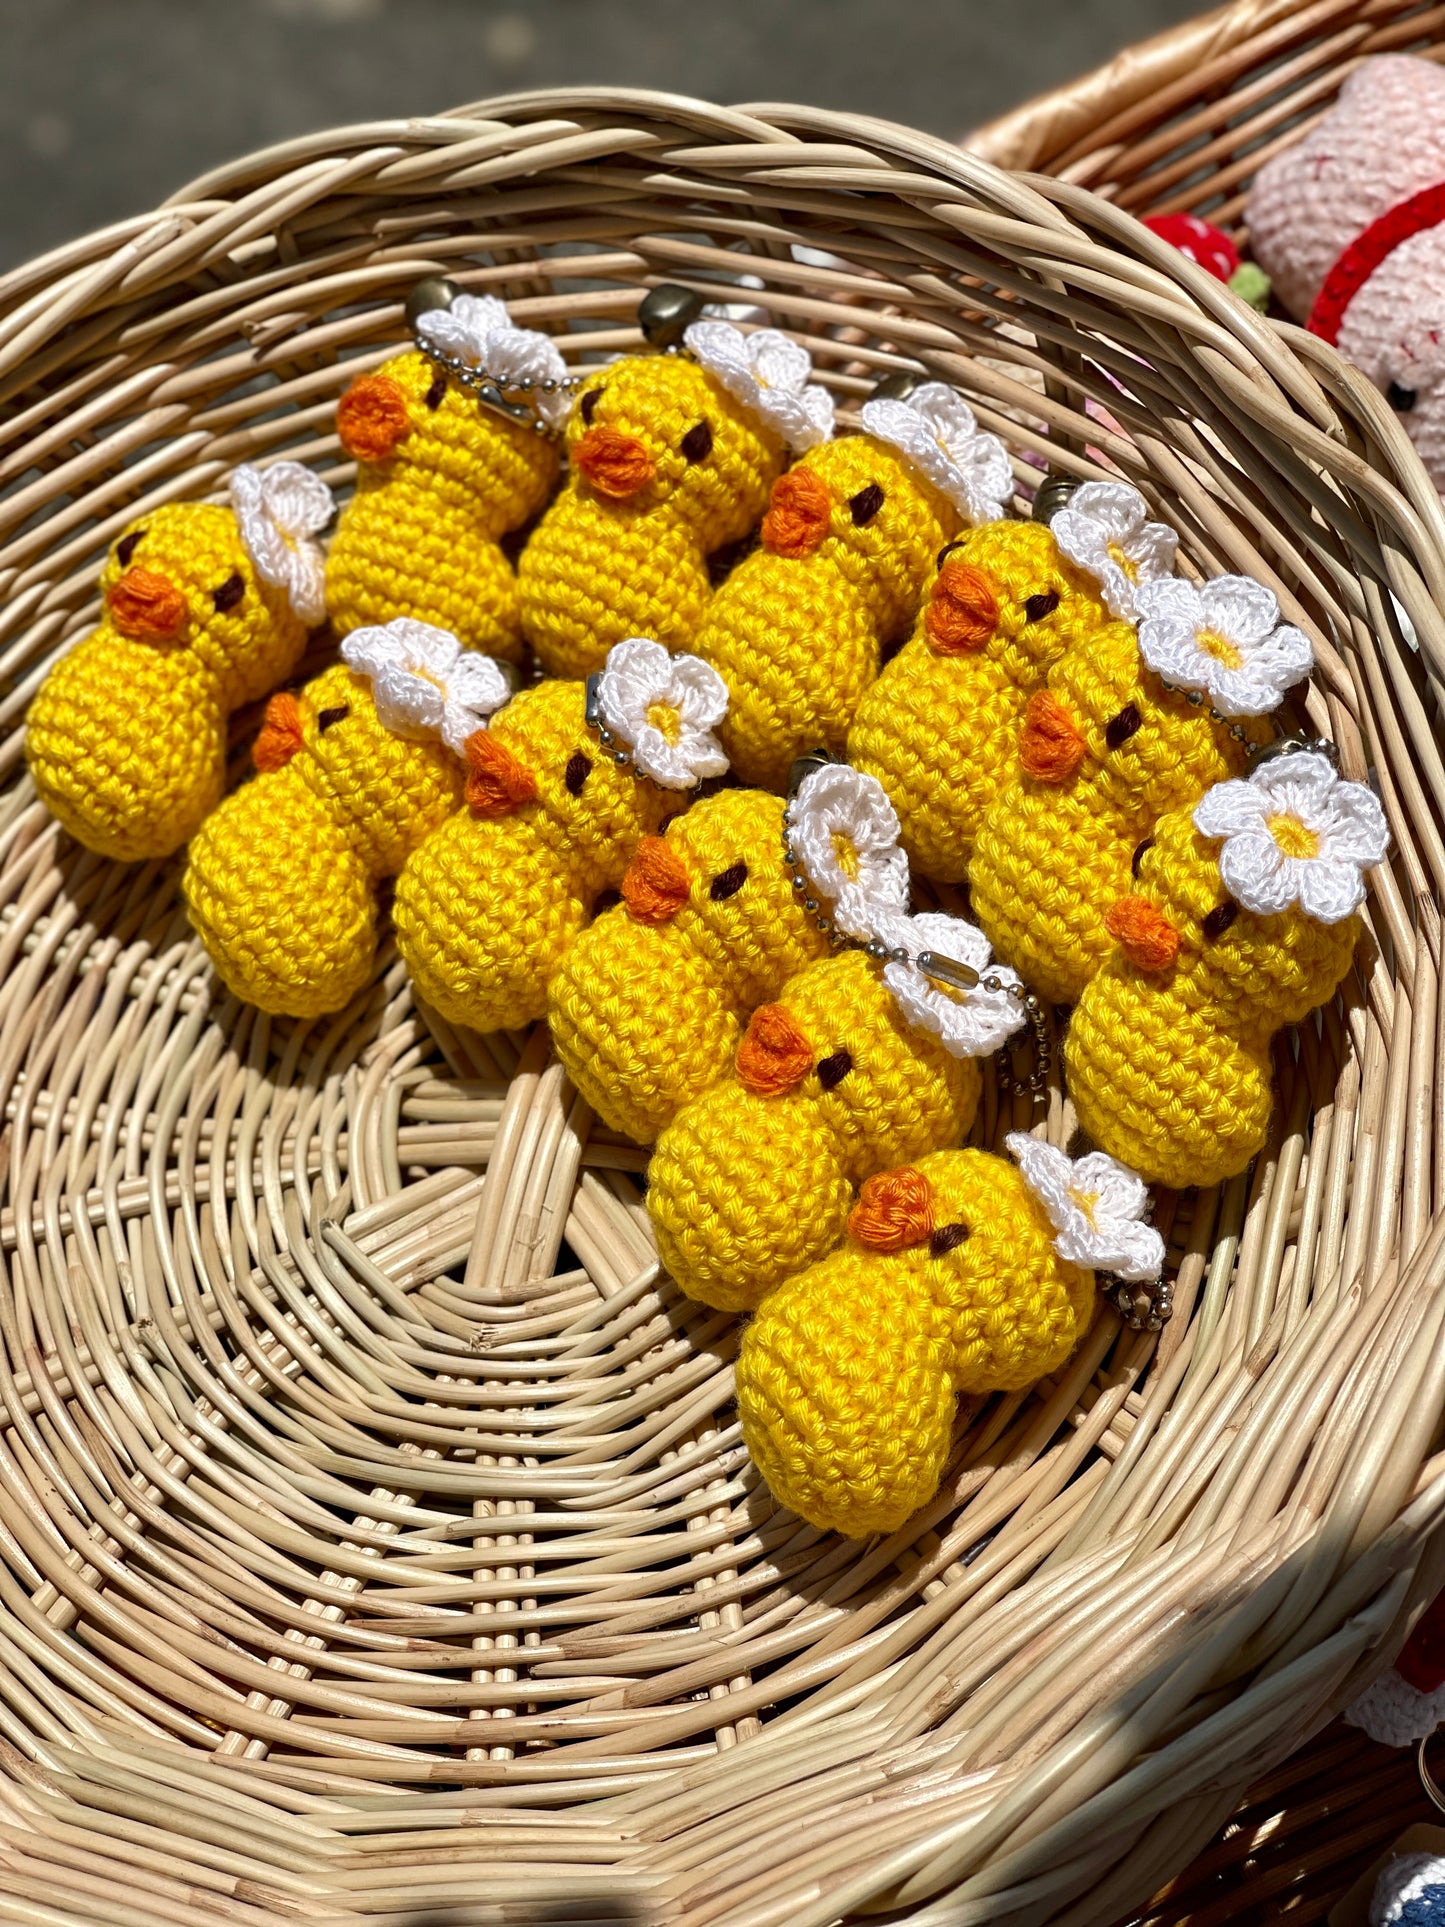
x: 1125, y: 562
x: 1292, y: 836
x: 1088, y: 1203
x: 423, y: 674
x: 846, y: 852
x: 666, y: 719
x: 1220, y: 647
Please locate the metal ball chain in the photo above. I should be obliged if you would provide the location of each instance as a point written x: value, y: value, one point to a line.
x: 1143, y: 1307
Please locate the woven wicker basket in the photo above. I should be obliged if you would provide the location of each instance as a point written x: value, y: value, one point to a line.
x: 375, y: 1537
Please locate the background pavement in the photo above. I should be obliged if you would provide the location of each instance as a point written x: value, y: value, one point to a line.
x: 107, y: 106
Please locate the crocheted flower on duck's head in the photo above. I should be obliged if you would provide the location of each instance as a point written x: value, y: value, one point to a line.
x: 969, y: 1023
x: 1096, y: 1206
x: 936, y: 430
x: 1224, y: 638
x: 769, y: 373
x: 844, y: 833
x: 1295, y: 832
x: 477, y: 329
x: 280, y: 511
x: 664, y: 708
x: 1104, y: 528
x: 424, y: 683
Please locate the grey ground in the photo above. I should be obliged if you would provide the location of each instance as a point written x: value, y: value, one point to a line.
x: 106, y: 106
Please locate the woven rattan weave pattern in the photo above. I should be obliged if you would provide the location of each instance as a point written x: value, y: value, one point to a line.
x: 376, y: 1542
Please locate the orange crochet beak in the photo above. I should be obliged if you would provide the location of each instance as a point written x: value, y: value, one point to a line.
x: 894, y: 1211
x: 800, y: 513
x: 962, y: 610
x: 372, y: 420
x: 616, y: 465
x: 147, y: 607
x: 281, y: 733
x: 656, y: 884
x: 498, y: 782
x: 1145, y: 935
x: 1051, y: 747
x: 774, y: 1055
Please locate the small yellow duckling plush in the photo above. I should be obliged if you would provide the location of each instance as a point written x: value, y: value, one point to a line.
x: 562, y: 788
x: 940, y: 726
x: 860, y: 1064
x: 649, y: 1005
x: 671, y: 457
x: 352, y: 773
x: 960, y: 1273
x: 1243, y: 920
x: 446, y: 466
x: 1125, y: 732
x: 799, y: 629
x: 206, y: 608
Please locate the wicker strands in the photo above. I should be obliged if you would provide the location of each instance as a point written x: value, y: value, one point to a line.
x: 376, y: 1539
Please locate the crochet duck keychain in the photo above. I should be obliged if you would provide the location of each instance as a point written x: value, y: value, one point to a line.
x: 205, y: 608
x: 799, y: 629
x: 353, y: 772
x: 1243, y: 919
x: 670, y: 458
x: 960, y: 1273
x: 455, y: 443
x: 560, y: 791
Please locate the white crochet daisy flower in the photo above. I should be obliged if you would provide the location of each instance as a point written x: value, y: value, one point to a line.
x: 478, y: 330
x: 1225, y: 638
x: 1096, y: 1206
x: 1104, y: 528
x: 281, y: 509
x: 664, y: 708
x: 1295, y: 832
x: 844, y: 833
x: 424, y: 683
x: 936, y: 430
x: 969, y: 1023
x: 769, y: 373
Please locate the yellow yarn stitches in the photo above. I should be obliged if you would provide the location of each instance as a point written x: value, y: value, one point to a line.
x: 281, y: 879
x: 649, y: 1005
x: 798, y: 628
x: 439, y: 480
x: 486, y: 908
x: 665, y: 467
x: 939, y: 728
x: 1105, y: 751
x: 847, y: 1376
x: 1169, y: 1068
x: 746, y: 1188
x: 126, y: 737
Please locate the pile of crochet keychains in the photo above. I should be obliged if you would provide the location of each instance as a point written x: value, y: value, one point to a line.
x: 688, y: 842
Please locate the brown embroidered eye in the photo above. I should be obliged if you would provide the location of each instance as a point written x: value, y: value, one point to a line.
x: 865, y: 505
x: 1039, y: 606
x: 579, y: 768
x: 436, y: 394
x: 832, y: 1070
x: 1219, y: 919
x: 948, y: 1237
x: 1120, y: 728
x: 329, y: 718
x: 948, y: 549
x: 126, y: 547
x: 606, y: 900
x: 697, y: 442
x: 589, y: 404
x: 1141, y: 850
x: 728, y: 882
x: 229, y: 593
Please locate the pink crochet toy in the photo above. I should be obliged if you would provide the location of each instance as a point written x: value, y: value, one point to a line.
x: 1348, y: 226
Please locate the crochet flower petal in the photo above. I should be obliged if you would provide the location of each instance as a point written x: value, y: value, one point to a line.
x: 702, y: 693
x: 1358, y: 829
x: 844, y: 834
x: 1095, y: 1206
x: 1233, y: 808
x: 477, y: 330
x: 1257, y: 874
x: 1330, y: 890
x: 465, y: 329
x: 1224, y: 639
x: 422, y: 681
x: 280, y: 510
x: 641, y: 683
x: 1244, y: 610
x: 968, y: 1023
x: 935, y: 428
x: 768, y: 372
x: 1295, y: 832
x: 1104, y: 530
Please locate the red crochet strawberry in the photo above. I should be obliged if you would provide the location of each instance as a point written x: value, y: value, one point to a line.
x: 1211, y: 249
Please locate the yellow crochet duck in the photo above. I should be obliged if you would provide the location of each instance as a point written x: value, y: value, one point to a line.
x: 649, y: 1005
x: 561, y: 790
x: 1243, y: 919
x: 670, y: 459
x: 353, y: 773
x: 961, y: 1273
x: 939, y: 728
x: 800, y: 628
x: 443, y: 475
x: 206, y: 608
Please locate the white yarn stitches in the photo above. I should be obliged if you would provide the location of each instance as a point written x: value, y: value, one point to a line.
x: 665, y: 709
x: 1096, y: 1206
x: 423, y: 682
x: 769, y: 373
x: 935, y: 428
x: 280, y: 511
